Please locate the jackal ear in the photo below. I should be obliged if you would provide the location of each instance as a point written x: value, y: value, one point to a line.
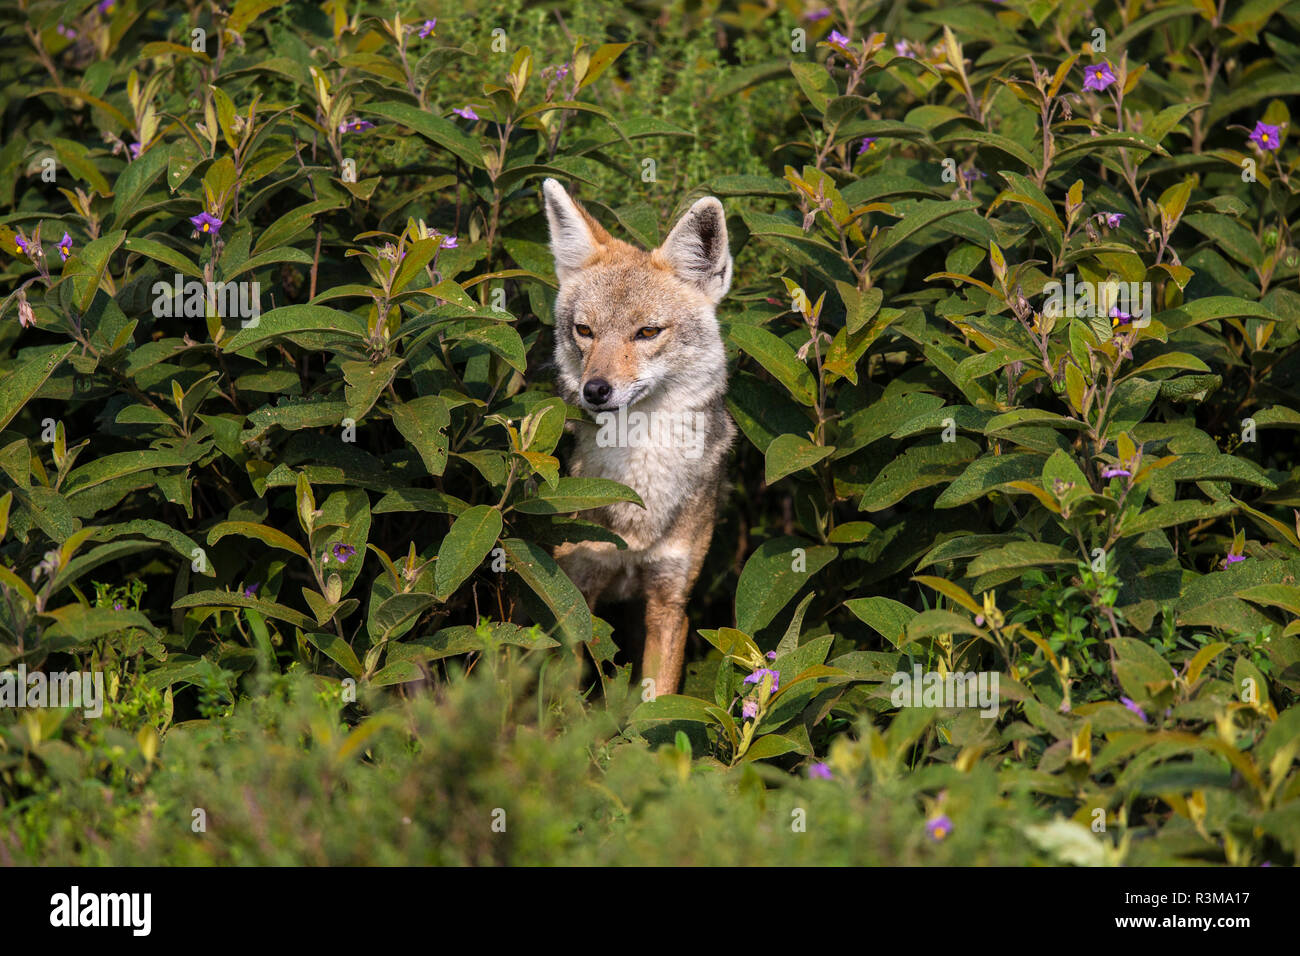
x: 696, y: 249
x: 575, y: 235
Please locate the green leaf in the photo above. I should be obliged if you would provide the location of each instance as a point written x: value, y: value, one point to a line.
x: 774, y: 574
x: 988, y: 472
x: 304, y: 325
x: 75, y: 157
x: 600, y: 61
x: 135, y: 181
x: 365, y: 381
x: 924, y: 214
x: 560, y: 595
x: 577, y: 494
x: 18, y: 386
x: 440, y: 131
x: 110, y: 467
x: 1230, y: 236
x: 815, y: 82
x: 423, y: 422
x: 1003, y: 144
x: 164, y: 254
x: 248, y: 529
x: 337, y: 650
x: 85, y: 269
x: 77, y: 624
x: 473, y: 534
x: 921, y: 466
x: 227, y: 600
x: 778, y: 359
x: 789, y: 453
x: 1021, y: 554
x: 889, y: 618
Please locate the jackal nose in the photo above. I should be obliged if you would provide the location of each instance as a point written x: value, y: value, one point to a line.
x: 597, y: 391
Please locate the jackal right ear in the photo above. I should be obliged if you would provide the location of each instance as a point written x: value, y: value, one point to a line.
x: 575, y: 235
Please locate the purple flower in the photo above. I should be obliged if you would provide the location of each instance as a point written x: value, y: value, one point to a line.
x: 749, y: 709
x: 970, y: 175
x: 1116, y: 473
x: 562, y: 71
x: 770, y: 655
x: 449, y: 242
x: 466, y: 112
x: 355, y: 125
x: 106, y: 6
x: 1267, y: 138
x: 66, y: 32
x: 1119, y: 317
x: 819, y: 771
x: 1231, y: 560
x: 342, y: 552
x: 1132, y: 707
x: 427, y: 27
x: 939, y: 827
x: 251, y: 590
x: 205, y: 223
x: 135, y: 150
x: 902, y: 49
x: 867, y: 143
x: 65, y: 247
x: 1098, y: 77
x: 1112, y: 219
x: 24, y: 246
x: 758, y: 675
x: 117, y: 605
x: 819, y: 14
x: 838, y: 39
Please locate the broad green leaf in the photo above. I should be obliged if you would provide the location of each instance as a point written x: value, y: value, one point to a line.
x: 473, y: 534
x: 778, y: 359
x: 777, y: 571
x: 18, y: 386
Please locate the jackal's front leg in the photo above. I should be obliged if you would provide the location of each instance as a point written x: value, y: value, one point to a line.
x: 666, y: 627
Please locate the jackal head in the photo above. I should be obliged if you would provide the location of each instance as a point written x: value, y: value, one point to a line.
x: 631, y: 324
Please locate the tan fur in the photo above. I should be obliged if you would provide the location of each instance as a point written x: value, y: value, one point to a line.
x: 613, y: 290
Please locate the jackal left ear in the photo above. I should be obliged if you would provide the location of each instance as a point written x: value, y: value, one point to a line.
x: 696, y: 249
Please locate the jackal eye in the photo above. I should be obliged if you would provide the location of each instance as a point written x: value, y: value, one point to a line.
x: 647, y: 332
x: 583, y: 330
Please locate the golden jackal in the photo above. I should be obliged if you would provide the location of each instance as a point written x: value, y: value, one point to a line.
x: 637, y: 345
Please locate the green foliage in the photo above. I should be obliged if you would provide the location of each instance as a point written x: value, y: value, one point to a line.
x: 281, y: 459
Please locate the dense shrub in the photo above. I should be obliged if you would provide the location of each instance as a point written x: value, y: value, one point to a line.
x: 283, y: 537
